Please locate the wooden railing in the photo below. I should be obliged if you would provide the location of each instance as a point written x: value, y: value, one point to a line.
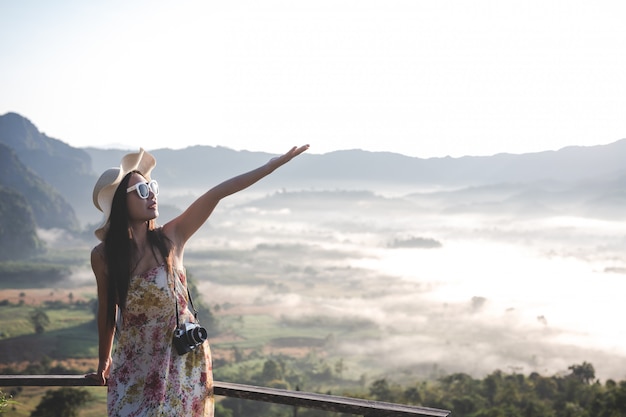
x: 325, y: 402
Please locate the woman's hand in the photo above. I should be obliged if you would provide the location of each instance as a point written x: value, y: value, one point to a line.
x: 283, y: 159
x: 101, y: 376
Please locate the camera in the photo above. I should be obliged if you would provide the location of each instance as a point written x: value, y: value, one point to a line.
x: 188, y: 336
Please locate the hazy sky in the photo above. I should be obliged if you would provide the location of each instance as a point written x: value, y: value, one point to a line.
x: 423, y: 78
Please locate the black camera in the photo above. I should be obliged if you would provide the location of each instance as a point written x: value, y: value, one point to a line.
x: 188, y: 336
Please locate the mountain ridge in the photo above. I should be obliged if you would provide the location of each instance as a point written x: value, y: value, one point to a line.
x: 73, y: 171
x: 363, y: 166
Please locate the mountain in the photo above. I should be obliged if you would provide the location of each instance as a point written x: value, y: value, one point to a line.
x: 591, y: 178
x: 65, y: 168
x: 18, y: 237
x: 32, y: 146
x: 49, y: 208
x: 205, y: 165
x: 570, y: 164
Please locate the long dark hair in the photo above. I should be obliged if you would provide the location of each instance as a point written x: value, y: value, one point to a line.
x: 119, y: 247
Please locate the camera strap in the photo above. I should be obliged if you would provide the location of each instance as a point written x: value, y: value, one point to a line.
x: 195, y: 312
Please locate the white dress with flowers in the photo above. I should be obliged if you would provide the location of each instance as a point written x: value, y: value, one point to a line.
x: 149, y: 378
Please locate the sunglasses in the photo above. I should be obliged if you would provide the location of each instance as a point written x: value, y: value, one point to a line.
x: 144, y: 189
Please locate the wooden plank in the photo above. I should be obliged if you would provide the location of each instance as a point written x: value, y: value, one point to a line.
x: 250, y: 392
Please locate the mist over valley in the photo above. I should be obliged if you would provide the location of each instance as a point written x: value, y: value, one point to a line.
x: 434, y: 289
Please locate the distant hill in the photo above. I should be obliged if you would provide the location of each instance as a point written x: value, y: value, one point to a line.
x: 33, y: 147
x: 18, y: 237
x: 65, y: 168
x: 585, y: 181
x: 589, y: 178
x: 358, y: 169
x: 570, y: 164
x: 49, y: 208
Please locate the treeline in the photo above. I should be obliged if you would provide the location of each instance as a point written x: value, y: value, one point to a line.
x: 575, y: 393
x: 32, y: 274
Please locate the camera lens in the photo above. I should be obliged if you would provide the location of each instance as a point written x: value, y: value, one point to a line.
x: 197, y: 334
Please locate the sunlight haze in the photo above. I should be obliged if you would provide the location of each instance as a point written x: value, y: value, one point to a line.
x: 419, y: 78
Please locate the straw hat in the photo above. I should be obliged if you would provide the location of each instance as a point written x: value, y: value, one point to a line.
x: 105, y: 187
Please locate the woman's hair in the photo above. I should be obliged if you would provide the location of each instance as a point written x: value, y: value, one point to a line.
x: 119, y: 248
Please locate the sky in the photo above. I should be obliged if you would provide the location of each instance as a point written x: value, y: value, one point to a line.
x: 421, y: 78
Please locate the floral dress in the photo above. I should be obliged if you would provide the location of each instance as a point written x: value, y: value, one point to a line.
x: 149, y: 378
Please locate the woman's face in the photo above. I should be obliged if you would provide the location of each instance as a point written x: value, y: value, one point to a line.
x: 140, y: 209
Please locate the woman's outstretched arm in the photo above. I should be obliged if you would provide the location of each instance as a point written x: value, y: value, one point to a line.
x: 181, y: 228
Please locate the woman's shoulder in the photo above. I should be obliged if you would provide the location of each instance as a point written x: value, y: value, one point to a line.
x: 98, y: 250
x: 97, y: 255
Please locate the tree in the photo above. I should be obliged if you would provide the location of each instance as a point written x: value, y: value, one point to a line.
x: 40, y: 320
x: 63, y: 402
x: 5, y: 402
x: 237, y: 354
x: 585, y: 373
x: 18, y: 229
x: 220, y: 410
x: 271, y: 371
x: 339, y: 367
x: 491, y: 385
x: 546, y: 387
x: 380, y: 390
x: 412, y: 395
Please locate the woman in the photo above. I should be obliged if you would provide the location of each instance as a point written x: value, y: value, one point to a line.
x: 142, y: 287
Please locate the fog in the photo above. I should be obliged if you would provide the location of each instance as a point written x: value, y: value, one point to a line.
x: 510, y: 289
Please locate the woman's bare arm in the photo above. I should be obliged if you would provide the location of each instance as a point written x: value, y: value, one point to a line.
x: 106, y: 330
x: 184, y: 226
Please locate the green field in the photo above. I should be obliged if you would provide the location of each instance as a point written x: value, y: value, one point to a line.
x: 69, y: 344
x: 250, y: 332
